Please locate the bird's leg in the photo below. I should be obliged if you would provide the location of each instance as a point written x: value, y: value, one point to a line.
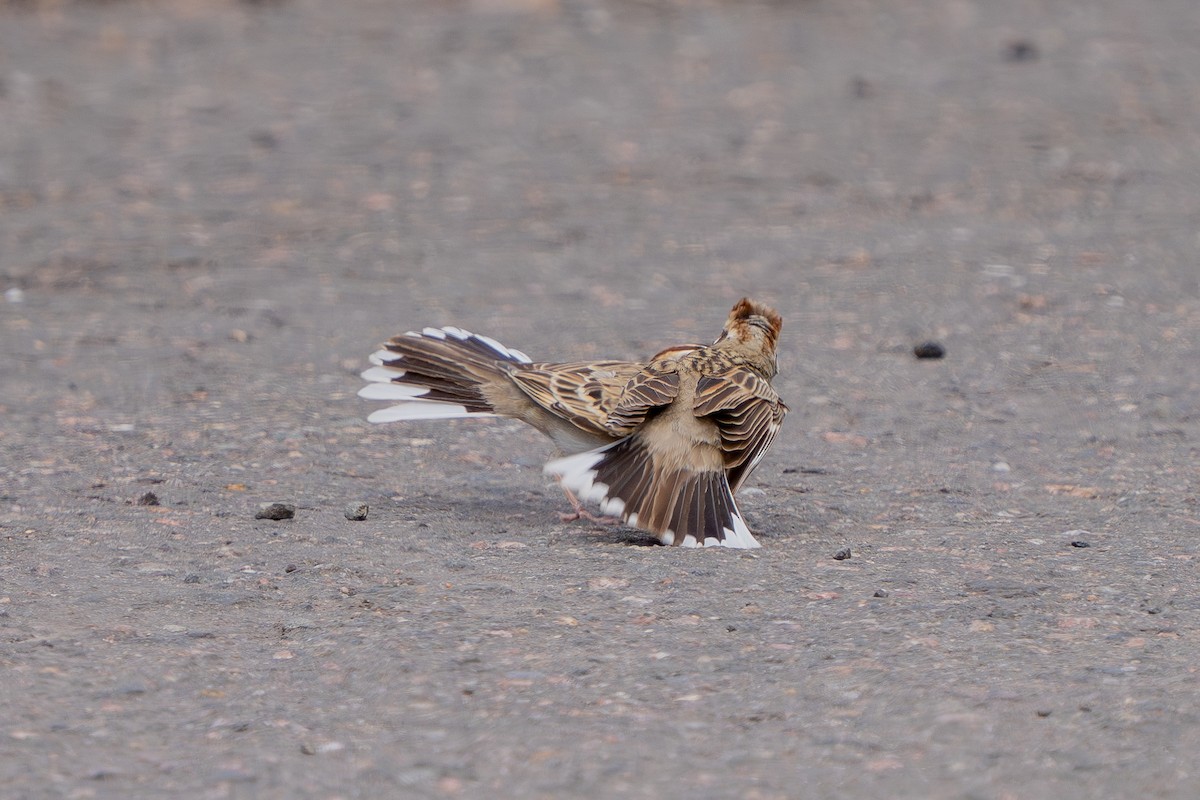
x: 580, y: 512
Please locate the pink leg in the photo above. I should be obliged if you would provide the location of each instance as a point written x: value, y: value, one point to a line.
x: 582, y: 513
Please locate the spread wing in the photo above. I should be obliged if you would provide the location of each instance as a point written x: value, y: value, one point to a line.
x: 583, y: 393
x: 654, y: 386
x: 748, y: 414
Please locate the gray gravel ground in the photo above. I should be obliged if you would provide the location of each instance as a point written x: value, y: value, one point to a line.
x: 210, y: 212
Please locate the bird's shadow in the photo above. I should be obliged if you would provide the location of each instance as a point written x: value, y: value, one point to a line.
x: 634, y: 539
x: 619, y: 534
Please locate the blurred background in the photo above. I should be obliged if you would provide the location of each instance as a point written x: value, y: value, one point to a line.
x: 583, y: 178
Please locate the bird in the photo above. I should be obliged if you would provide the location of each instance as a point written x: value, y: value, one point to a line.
x: 661, y: 445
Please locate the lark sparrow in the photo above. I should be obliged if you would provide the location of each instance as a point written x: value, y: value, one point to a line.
x: 664, y: 445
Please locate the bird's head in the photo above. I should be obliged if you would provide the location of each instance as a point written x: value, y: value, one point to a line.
x: 754, y: 329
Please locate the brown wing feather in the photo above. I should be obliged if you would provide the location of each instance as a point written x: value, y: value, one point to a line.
x: 653, y: 387
x: 583, y: 393
x: 748, y: 414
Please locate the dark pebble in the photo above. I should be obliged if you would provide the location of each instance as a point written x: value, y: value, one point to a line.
x: 357, y: 511
x: 1079, y: 543
x: 102, y: 774
x: 1021, y: 50
x: 929, y: 350
x: 1044, y: 712
x: 842, y: 555
x: 265, y: 139
x: 275, y: 511
x: 148, y: 499
x: 880, y: 593
x: 192, y: 578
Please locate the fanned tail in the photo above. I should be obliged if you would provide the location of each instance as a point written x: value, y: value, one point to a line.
x: 437, y: 373
x: 687, y: 507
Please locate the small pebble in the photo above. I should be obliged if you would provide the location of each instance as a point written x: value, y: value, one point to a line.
x: 1079, y: 543
x: 148, y: 499
x: 842, y: 555
x: 275, y: 511
x: 861, y: 88
x: 357, y: 511
x: 191, y: 578
x: 880, y: 593
x: 1021, y: 50
x: 264, y: 139
x: 1044, y: 712
x: 14, y: 295
x: 103, y: 774
x: 929, y: 350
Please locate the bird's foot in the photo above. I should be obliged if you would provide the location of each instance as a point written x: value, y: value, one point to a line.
x: 579, y: 512
x: 583, y: 513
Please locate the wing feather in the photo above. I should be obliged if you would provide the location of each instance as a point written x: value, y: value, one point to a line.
x: 653, y: 387
x: 583, y: 393
x: 747, y: 413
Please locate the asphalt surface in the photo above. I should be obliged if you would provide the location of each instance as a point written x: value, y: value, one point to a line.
x: 211, y: 212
